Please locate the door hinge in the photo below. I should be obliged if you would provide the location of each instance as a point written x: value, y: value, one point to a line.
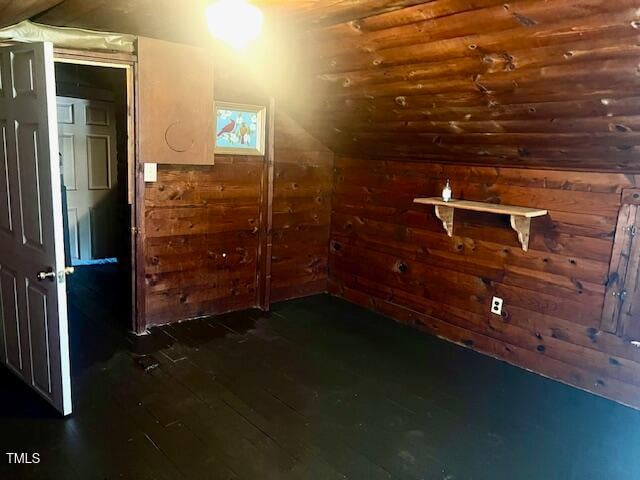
x: 135, y: 230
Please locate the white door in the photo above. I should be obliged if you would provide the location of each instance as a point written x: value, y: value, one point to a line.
x: 87, y: 137
x: 34, y: 340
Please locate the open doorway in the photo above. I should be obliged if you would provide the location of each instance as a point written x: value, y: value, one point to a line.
x: 93, y: 137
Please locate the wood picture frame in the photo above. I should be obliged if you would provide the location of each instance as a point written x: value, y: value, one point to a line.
x: 240, y: 129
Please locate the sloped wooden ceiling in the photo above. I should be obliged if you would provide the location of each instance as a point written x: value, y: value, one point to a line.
x: 541, y: 83
x: 184, y: 21
x: 181, y: 21
x: 13, y: 11
x: 549, y: 83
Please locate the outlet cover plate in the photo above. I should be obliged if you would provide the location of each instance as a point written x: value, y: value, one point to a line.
x: 150, y: 172
x: 496, y: 305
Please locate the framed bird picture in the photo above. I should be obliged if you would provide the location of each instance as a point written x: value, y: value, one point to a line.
x: 240, y: 129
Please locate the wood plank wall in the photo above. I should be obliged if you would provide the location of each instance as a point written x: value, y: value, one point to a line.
x: 540, y: 83
x: 301, y: 211
x: 391, y: 255
x: 194, y: 215
x: 202, y: 226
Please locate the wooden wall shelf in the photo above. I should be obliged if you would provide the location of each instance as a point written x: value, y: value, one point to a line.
x: 520, y: 216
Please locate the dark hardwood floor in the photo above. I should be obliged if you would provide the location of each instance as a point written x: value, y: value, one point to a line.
x: 321, y: 389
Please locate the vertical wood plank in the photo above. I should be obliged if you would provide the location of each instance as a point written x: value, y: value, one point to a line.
x: 139, y: 234
x: 265, y: 246
x: 629, y: 309
x: 620, y: 258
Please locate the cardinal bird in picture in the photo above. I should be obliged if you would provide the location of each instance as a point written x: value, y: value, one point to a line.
x: 228, y: 128
x: 243, y: 132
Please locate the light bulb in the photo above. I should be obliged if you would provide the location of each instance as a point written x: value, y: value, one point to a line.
x: 235, y: 22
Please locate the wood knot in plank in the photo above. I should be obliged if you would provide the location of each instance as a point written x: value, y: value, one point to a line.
x: 618, y: 127
x: 401, y: 267
x: 524, y: 20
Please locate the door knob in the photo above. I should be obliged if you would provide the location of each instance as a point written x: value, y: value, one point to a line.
x: 51, y: 275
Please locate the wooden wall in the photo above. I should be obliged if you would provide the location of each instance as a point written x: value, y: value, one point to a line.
x: 548, y: 84
x: 194, y: 215
x: 514, y: 101
x: 394, y: 256
x: 201, y: 225
x: 301, y: 211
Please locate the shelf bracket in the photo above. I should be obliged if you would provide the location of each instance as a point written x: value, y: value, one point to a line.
x: 520, y: 217
x: 445, y: 214
x: 522, y: 226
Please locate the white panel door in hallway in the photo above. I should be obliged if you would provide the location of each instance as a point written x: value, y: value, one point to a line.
x: 34, y: 340
x: 87, y: 136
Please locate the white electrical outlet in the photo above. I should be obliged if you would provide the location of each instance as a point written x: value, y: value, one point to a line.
x: 496, y: 305
x: 150, y: 172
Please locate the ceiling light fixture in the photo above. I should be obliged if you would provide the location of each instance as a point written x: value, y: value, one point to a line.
x: 235, y: 22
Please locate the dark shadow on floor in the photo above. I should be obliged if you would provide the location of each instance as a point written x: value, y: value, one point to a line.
x: 99, y: 313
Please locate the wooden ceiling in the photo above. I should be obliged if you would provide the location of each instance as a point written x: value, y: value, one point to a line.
x: 13, y: 11
x: 549, y: 83
x: 175, y: 20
